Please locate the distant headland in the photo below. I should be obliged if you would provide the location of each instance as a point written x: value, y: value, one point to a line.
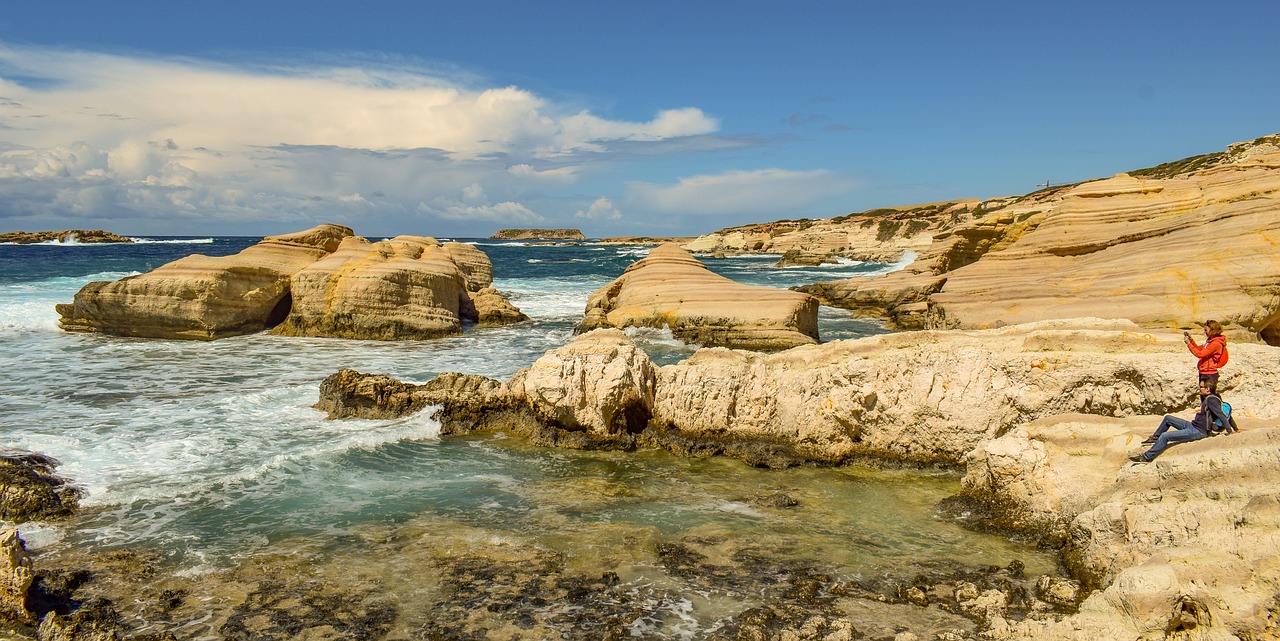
x: 538, y: 234
x: 65, y: 236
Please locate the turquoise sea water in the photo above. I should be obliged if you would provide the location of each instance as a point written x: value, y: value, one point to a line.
x: 210, y: 453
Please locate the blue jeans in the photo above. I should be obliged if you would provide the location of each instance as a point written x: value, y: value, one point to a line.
x: 1182, y: 432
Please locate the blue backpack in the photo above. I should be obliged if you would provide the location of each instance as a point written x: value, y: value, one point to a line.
x: 1215, y: 424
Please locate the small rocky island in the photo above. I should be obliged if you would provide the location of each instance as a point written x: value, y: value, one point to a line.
x: 64, y: 236
x: 538, y: 234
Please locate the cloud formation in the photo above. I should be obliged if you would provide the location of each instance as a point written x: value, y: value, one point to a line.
x: 601, y: 209
x: 87, y: 135
x: 740, y: 192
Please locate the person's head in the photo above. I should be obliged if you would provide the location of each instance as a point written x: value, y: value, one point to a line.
x: 1208, y: 386
x: 1212, y: 328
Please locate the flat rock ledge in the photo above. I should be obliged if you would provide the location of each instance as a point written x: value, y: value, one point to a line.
x: 1040, y: 416
x: 670, y: 288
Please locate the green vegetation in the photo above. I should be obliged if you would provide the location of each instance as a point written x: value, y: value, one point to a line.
x: 1179, y: 167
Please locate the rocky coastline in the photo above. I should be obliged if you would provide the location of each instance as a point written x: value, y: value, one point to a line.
x: 63, y: 236
x: 1043, y: 346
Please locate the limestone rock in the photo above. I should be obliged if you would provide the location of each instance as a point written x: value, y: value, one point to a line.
x: 1165, y: 248
x: 531, y: 234
x: 31, y: 491
x: 492, y: 309
x: 601, y: 382
x: 202, y: 297
x: 408, y: 287
x: 1188, y: 541
x: 16, y: 576
x: 670, y: 288
x: 881, y: 234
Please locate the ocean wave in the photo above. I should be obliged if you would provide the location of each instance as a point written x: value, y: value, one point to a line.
x: 165, y: 241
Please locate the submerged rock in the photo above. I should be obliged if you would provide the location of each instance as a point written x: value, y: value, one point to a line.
x: 671, y: 288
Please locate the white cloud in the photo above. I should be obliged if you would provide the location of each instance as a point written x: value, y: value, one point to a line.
x: 741, y: 192
x: 601, y: 209
x: 159, y: 139
x: 504, y: 212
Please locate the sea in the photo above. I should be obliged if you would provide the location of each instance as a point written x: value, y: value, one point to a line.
x: 211, y: 456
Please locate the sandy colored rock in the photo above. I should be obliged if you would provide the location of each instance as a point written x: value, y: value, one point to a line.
x: 671, y: 288
x: 16, y: 576
x: 537, y: 234
x: 408, y: 287
x: 600, y: 382
x: 881, y: 234
x: 203, y: 297
x: 491, y: 309
x: 1189, y: 540
x: 1165, y: 248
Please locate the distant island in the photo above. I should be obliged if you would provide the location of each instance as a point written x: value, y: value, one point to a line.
x: 538, y: 234
x: 64, y: 236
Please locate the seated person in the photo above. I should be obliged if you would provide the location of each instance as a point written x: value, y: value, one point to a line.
x: 1177, y: 430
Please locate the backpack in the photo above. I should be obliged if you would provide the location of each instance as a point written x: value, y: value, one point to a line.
x: 1220, y: 358
x: 1215, y: 424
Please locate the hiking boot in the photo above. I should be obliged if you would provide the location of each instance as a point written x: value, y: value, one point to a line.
x: 1138, y: 458
x: 1149, y: 440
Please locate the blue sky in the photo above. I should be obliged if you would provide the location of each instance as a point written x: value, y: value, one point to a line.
x: 648, y: 118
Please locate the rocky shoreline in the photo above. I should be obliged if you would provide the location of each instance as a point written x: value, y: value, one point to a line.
x: 1041, y: 417
x: 64, y: 236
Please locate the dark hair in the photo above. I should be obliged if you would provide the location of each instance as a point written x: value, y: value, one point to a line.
x: 1212, y: 384
x: 1214, y: 327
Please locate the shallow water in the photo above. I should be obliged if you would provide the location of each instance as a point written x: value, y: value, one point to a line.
x: 211, y: 456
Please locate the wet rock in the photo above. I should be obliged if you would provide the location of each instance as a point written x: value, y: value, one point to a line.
x: 15, y: 577
x: 95, y: 620
x: 775, y: 500
x: 1060, y: 591
x: 29, y: 489
x: 308, y: 609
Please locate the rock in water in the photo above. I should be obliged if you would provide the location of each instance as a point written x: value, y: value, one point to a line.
x: 30, y: 491
x: 671, y: 288
x: 202, y: 297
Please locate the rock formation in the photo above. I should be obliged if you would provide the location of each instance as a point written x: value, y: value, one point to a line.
x: 538, y: 234
x: 408, y: 287
x: 203, y: 297
x: 1164, y: 247
x: 64, y: 236
x: 1186, y: 542
x: 1042, y: 416
x: 670, y: 288
x: 879, y: 234
x: 320, y: 282
x: 31, y: 491
x: 16, y: 576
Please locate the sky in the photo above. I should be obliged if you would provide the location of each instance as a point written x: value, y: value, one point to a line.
x: 648, y: 118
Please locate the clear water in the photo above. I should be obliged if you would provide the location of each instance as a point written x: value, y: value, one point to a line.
x: 211, y: 453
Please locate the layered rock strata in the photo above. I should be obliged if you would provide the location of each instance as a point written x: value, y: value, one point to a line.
x: 671, y: 288
x: 408, y: 287
x: 1190, y: 542
x: 879, y: 234
x: 203, y: 297
x: 1041, y: 415
x: 320, y: 282
x: 1163, y: 248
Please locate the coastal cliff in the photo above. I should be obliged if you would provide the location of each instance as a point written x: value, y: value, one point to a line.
x: 878, y: 234
x: 1164, y: 247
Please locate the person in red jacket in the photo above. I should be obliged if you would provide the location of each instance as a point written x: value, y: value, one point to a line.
x: 1213, y: 354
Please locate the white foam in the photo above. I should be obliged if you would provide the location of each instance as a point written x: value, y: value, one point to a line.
x: 172, y: 241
